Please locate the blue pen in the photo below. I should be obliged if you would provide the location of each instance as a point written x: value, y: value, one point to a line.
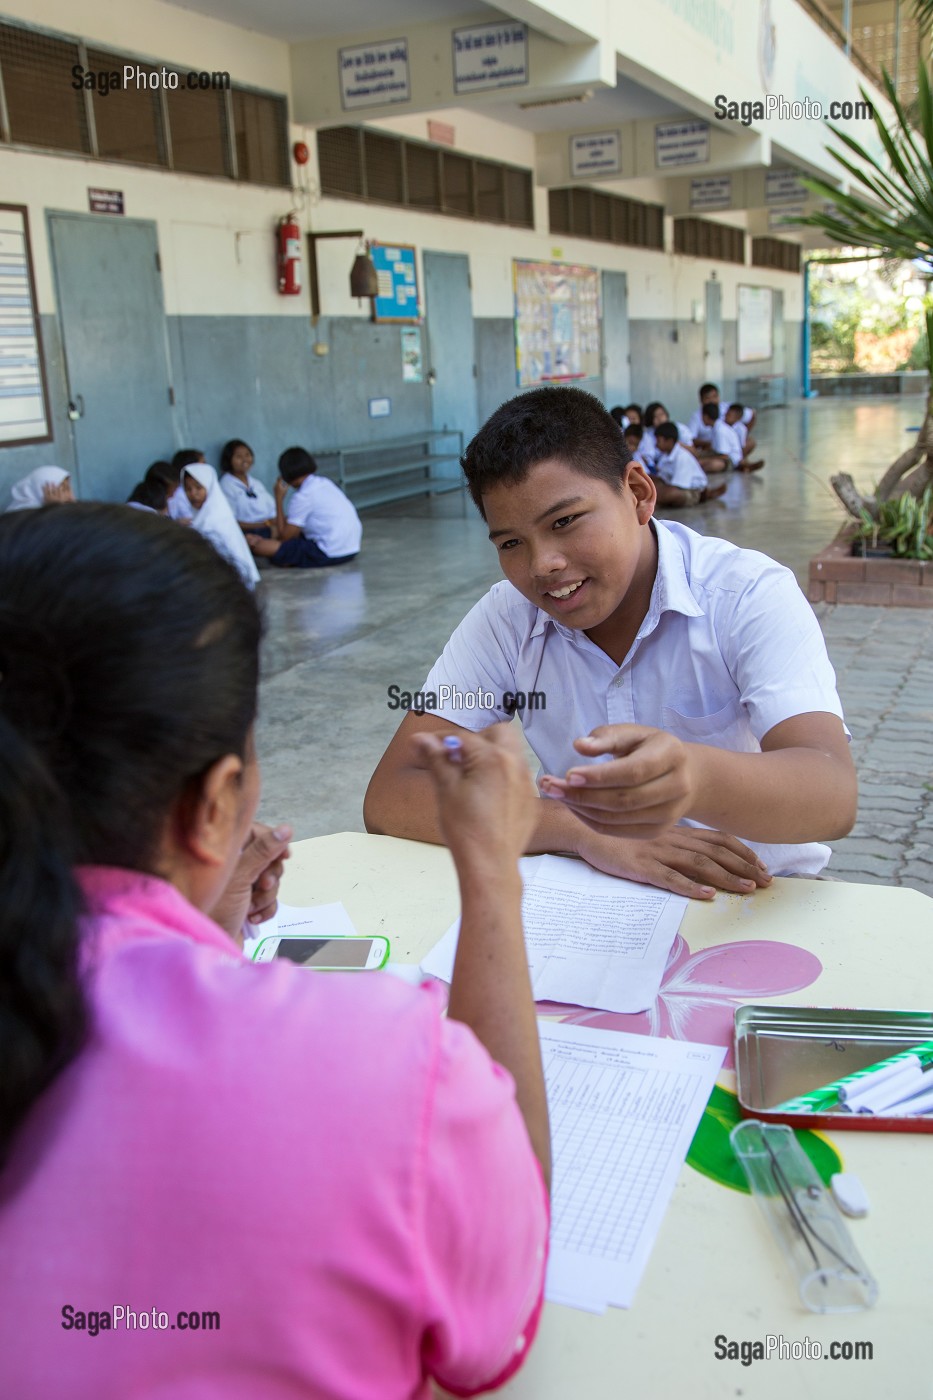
x: 454, y: 748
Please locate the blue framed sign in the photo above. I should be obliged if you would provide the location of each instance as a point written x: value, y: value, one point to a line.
x: 397, y: 269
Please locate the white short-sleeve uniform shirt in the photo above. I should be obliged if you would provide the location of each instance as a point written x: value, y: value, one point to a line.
x: 324, y: 514
x: 700, y: 430
x: 680, y: 468
x: 726, y: 442
x: 251, y: 503
x: 728, y: 649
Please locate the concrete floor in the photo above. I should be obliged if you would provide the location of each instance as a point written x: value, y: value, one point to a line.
x: 336, y: 639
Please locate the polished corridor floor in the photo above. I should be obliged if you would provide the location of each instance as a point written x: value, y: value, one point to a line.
x: 337, y: 639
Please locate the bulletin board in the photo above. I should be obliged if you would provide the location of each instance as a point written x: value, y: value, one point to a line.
x: 24, y: 404
x: 397, y: 270
x: 755, y: 324
x: 557, y: 314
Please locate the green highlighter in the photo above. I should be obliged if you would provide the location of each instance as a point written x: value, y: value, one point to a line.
x: 834, y: 1095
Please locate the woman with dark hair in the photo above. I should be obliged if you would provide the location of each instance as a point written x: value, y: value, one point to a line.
x: 341, y: 1182
x: 252, y: 505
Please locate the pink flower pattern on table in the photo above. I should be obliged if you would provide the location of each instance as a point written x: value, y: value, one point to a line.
x: 700, y: 991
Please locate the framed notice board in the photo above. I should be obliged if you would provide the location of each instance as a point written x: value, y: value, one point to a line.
x: 24, y: 400
x: 755, y: 324
x: 557, y: 316
x: 397, y: 269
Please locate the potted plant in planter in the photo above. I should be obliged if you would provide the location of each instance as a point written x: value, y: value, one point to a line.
x: 893, y: 220
x: 900, y: 529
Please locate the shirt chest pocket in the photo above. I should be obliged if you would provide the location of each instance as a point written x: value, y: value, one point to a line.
x: 723, y: 728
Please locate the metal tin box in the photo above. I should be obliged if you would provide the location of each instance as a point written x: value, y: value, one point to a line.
x: 783, y: 1051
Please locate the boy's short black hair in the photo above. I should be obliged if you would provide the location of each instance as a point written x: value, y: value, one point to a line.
x: 617, y: 412
x: 149, y: 492
x: 567, y: 424
x: 634, y: 430
x: 164, y: 473
x: 738, y: 408
x: 186, y: 457
x: 629, y: 407
x: 294, y: 463
x: 668, y: 431
x: 710, y: 411
x: 708, y: 389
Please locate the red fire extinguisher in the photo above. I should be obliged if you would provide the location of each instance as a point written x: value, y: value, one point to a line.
x: 288, y: 251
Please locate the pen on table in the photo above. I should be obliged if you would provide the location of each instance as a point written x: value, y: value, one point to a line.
x: 829, y: 1094
x: 454, y: 748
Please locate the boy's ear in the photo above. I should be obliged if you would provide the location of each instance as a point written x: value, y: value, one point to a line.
x: 643, y: 489
x: 207, y: 813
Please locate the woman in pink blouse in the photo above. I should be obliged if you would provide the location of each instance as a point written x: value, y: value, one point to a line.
x: 221, y: 1180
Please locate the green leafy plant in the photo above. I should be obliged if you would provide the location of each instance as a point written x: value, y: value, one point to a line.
x: 904, y: 523
x: 889, y: 213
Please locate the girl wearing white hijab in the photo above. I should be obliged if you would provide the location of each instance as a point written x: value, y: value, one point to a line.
x: 215, y: 520
x: 41, y: 487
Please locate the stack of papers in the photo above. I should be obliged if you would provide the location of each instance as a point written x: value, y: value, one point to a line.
x: 623, y: 1110
x: 592, y: 939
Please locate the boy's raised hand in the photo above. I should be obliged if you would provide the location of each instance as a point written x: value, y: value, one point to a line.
x: 647, y: 787
x: 486, y: 801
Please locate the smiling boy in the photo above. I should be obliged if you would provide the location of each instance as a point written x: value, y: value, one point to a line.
x: 693, y: 672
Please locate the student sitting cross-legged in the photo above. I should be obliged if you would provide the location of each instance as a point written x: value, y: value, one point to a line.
x: 695, y: 672
x: 726, y: 438
x: 350, y: 1185
x: 321, y: 526
x: 681, y: 481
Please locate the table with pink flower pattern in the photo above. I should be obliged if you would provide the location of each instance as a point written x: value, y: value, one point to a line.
x: 714, y: 1272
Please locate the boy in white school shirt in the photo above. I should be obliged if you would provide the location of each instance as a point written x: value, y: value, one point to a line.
x: 321, y: 527
x: 684, y: 481
x: 694, y: 670
x: 725, y: 437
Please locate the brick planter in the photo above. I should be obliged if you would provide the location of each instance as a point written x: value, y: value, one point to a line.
x: 836, y: 576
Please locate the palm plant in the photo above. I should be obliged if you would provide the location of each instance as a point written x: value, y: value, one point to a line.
x: 892, y: 219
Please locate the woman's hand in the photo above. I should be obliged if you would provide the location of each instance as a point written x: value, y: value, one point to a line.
x: 486, y: 800
x: 252, y: 891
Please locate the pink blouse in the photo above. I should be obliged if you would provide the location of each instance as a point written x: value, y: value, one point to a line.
x: 272, y: 1183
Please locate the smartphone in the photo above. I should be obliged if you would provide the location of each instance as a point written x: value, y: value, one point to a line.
x: 326, y: 954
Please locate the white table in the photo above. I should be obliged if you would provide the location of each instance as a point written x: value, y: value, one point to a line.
x: 714, y: 1269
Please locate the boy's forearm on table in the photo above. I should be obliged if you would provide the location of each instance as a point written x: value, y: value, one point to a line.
x: 786, y: 796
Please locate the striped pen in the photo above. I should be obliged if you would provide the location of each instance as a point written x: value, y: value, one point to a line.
x: 829, y: 1096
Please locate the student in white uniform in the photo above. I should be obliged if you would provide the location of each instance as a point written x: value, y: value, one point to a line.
x: 699, y: 426
x: 179, y: 507
x: 725, y: 440
x: 694, y: 672
x: 252, y: 504
x: 213, y: 519
x: 681, y: 479
x: 42, y: 487
x: 321, y: 526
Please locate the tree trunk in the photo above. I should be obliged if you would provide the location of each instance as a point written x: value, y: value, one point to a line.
x: 912, y: 472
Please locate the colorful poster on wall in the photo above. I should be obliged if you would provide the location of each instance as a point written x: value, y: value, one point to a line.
x: 397, y: 270
x: 24, y: 407
x: 557, y: 312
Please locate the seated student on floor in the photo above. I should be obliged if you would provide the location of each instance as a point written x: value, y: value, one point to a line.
x: 725, y: 439
x: 347, y: 1179
x: 698, y: 427
x: 179, y: 507
x: 252, y: 505
x: 42, y: 487
x: 213, y: 519
x: 681, y: 481
x: 632, y: 436
x: 321, y: 527
x: 698, y: 669
x: 149, y: 494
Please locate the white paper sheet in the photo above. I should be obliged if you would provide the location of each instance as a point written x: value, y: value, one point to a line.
x: 592, y: 939
x: 623, y: 1110
x: 317, y: 921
